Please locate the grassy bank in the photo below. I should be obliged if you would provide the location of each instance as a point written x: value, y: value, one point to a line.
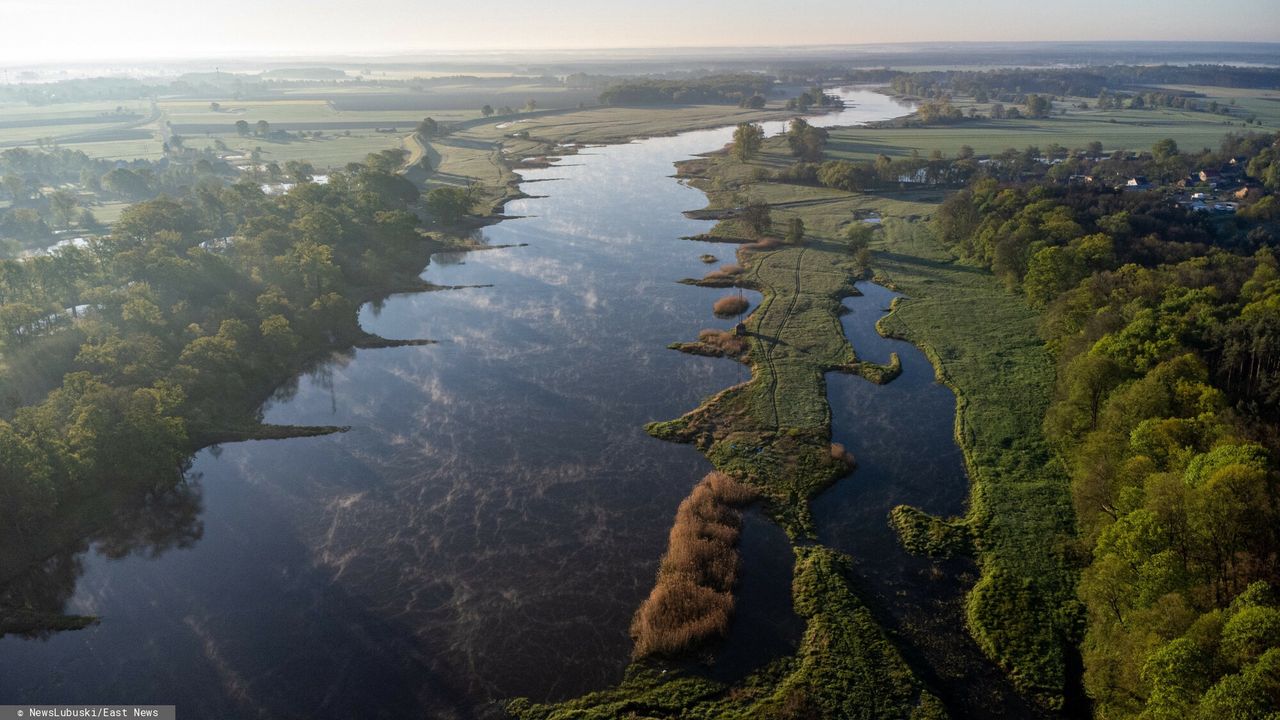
x: 774, y: 431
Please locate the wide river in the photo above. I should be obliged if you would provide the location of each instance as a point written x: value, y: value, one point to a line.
x: 496, y: 512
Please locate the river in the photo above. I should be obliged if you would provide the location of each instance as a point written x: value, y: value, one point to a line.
x: 496, y: 512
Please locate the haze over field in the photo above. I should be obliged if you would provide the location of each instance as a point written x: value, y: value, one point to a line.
x: 77, y: 30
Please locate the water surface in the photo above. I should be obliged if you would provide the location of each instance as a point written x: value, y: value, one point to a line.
x: 492, y: 519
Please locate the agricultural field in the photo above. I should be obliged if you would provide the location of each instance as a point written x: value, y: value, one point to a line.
x: 1115, y: 129
x: 603, y: 125
x: 103, y: 129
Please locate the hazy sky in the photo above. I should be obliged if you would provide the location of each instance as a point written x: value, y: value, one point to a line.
x: 42, y: 30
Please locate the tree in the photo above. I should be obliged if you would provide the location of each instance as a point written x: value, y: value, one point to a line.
x: 263, y: 128
x: 242, y: 128
x: 795, y: 231
x: 64, y: 204
x: 1038, y: 106
x: 386, y: 161
x: 486, y: 111
x: 747, y: 139
x: 24, y: 224
x: 300, y: 171
x: 215, y: 107
x: 757, y: 218
x: 1164, y: 150
x: 448, y: 205
x: 1051, y: 272
x: 859, y: 237
x: 278, y: 336
x: 428, y: 128
x: 16, y: 187
x: 805, y: 140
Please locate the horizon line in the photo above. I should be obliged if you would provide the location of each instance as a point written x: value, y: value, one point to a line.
x: 366, y: 54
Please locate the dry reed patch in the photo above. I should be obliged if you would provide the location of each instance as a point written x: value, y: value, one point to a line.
x: 717, y: 343
x: 727, y: 307
x: 692, y: 600
x: 839, y: 452
x: 763, y: 244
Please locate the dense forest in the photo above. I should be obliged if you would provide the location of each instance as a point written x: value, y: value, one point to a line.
x: 125, y: 354
x: 1166, y: 327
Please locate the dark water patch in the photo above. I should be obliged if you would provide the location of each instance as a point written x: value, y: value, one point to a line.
x: 764, y: 626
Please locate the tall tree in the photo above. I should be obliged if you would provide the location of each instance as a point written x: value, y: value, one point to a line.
x: 747, y: 140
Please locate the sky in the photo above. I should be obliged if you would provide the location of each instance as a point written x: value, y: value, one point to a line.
x: 34, y: 31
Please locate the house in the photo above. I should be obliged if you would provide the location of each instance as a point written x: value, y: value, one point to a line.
x: 1209, y: 176
x: 1137, y: 183
x: 1248, y: 192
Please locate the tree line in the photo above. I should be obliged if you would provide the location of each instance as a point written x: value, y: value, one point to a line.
x: 716, y: 89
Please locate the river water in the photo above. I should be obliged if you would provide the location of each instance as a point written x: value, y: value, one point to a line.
x: 496, y: 512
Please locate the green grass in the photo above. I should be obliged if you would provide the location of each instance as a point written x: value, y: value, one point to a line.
x: 34, y: 113
x: 109, y: 212
x: 148, y: 149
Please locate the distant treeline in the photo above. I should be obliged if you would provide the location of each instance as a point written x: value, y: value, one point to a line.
x: 714, y: 89
x: 1011, y: 84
